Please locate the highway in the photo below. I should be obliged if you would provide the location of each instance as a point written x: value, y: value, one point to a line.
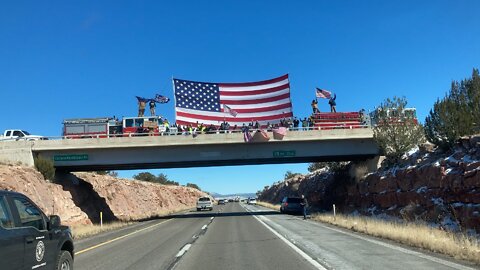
x: 238, y: 236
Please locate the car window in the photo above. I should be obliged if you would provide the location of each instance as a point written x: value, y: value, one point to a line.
x: 29, y: 214
x: 17, y: 133
x: 6, y: 220
x: 294, y: 200
x: 204, y: 199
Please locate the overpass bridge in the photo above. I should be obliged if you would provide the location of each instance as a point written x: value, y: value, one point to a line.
x: 120, y: 153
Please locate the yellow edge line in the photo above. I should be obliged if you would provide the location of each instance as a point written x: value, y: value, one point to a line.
x: 120, y: 237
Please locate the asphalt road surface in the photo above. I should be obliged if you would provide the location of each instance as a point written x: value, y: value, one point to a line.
x: 238, y: 236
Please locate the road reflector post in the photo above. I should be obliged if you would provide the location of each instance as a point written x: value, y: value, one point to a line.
x: 101, y: 219
x: 334, y: 213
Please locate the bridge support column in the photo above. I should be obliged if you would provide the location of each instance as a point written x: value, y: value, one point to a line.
x: 361, y: 168
x: 17, y: 152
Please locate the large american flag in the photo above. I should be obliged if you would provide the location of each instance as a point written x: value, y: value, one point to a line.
x: 264, y: 101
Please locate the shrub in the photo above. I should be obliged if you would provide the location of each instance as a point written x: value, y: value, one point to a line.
x: 395, y: 131
x: 456, y: 114
x: 45, y: 167
x: 191, y: 185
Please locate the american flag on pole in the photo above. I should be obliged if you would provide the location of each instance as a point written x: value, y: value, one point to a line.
x: 322, y: 93
x: 229, y: 110
x: 206, y: 102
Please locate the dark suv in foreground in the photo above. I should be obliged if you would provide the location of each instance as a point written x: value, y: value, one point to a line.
x: 29, y: 239
x: 292, y: 205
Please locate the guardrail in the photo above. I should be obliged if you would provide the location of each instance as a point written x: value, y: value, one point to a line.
x: 174, y: 132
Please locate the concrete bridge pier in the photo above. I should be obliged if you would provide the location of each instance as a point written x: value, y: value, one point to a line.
x: 13, y: 152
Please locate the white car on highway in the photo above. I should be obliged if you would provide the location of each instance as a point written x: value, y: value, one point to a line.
x: 204, y: 203
x: 252, y: 201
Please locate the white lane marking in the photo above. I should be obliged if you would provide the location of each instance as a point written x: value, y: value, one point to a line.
x: 404, y: 250
x: 295, y: 248
x: 183, y: 250
x: 204, y: 227
x: 120, y: 237
x: 397, y: 248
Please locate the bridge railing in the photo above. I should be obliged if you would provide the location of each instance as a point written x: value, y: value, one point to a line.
x: 173, y: 131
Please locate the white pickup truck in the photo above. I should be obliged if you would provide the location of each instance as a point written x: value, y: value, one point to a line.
x: 18, y: 134
x: 204, y: 203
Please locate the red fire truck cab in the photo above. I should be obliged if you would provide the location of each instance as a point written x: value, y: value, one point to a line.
x: 146, y: 124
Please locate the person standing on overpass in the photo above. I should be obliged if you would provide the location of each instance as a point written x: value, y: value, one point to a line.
x: 333, y: 104
x: 304, y: 203
x: 152, y: 107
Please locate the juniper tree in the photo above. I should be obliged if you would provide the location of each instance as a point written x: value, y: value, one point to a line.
x: 457, y: 114
x: 395, y: 131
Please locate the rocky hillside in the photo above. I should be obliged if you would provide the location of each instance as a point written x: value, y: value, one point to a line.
x: 430, y: 185
x: 81, y: 197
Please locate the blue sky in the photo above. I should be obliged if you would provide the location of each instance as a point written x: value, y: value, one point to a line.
x: 66, y: 59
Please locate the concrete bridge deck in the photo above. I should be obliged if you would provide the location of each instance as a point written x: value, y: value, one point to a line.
x: 186, y: 151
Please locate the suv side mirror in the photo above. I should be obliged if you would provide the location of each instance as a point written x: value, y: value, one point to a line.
x: 54, y: 222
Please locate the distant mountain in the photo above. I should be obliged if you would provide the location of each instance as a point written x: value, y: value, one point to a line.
x: 243, y: 195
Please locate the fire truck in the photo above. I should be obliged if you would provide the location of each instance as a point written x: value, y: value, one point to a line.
x: 104, y: 127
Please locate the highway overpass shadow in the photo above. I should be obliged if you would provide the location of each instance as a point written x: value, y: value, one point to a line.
x: 208, y: 214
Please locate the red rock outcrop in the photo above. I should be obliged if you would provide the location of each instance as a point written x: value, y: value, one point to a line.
x: 429, y: 185
x: 81, y: 197
x: 51, y: 198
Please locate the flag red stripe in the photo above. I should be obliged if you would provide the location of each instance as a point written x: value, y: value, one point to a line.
x: 264, y: 109
x: 254, y: 92
x: 234, y: 119
x: 279, y: 79
x: 254, y: 101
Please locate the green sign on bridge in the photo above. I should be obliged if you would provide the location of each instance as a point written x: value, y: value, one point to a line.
x: 70, y: 157
x: 289, y: 153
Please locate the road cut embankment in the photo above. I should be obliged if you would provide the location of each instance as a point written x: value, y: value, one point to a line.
x: 79, y: 198
x: 429, y: 185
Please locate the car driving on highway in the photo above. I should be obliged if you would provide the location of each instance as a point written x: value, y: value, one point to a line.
x: 204, y: 203
x: 29, y: 239
x: 252, y: 201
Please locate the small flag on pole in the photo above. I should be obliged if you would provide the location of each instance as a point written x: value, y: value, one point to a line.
x: 229, y: 110
x: 141, y: 99
x: 322, y: 93
x: 161, y: 99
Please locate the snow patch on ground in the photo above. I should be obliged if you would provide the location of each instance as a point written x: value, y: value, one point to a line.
x: 457, y: 204
x: 422, y: 189
x: 469, y: 159
x: 437, y: 201
x: 450, y: 224
x: 411, y: 153
x: 371, y: 210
